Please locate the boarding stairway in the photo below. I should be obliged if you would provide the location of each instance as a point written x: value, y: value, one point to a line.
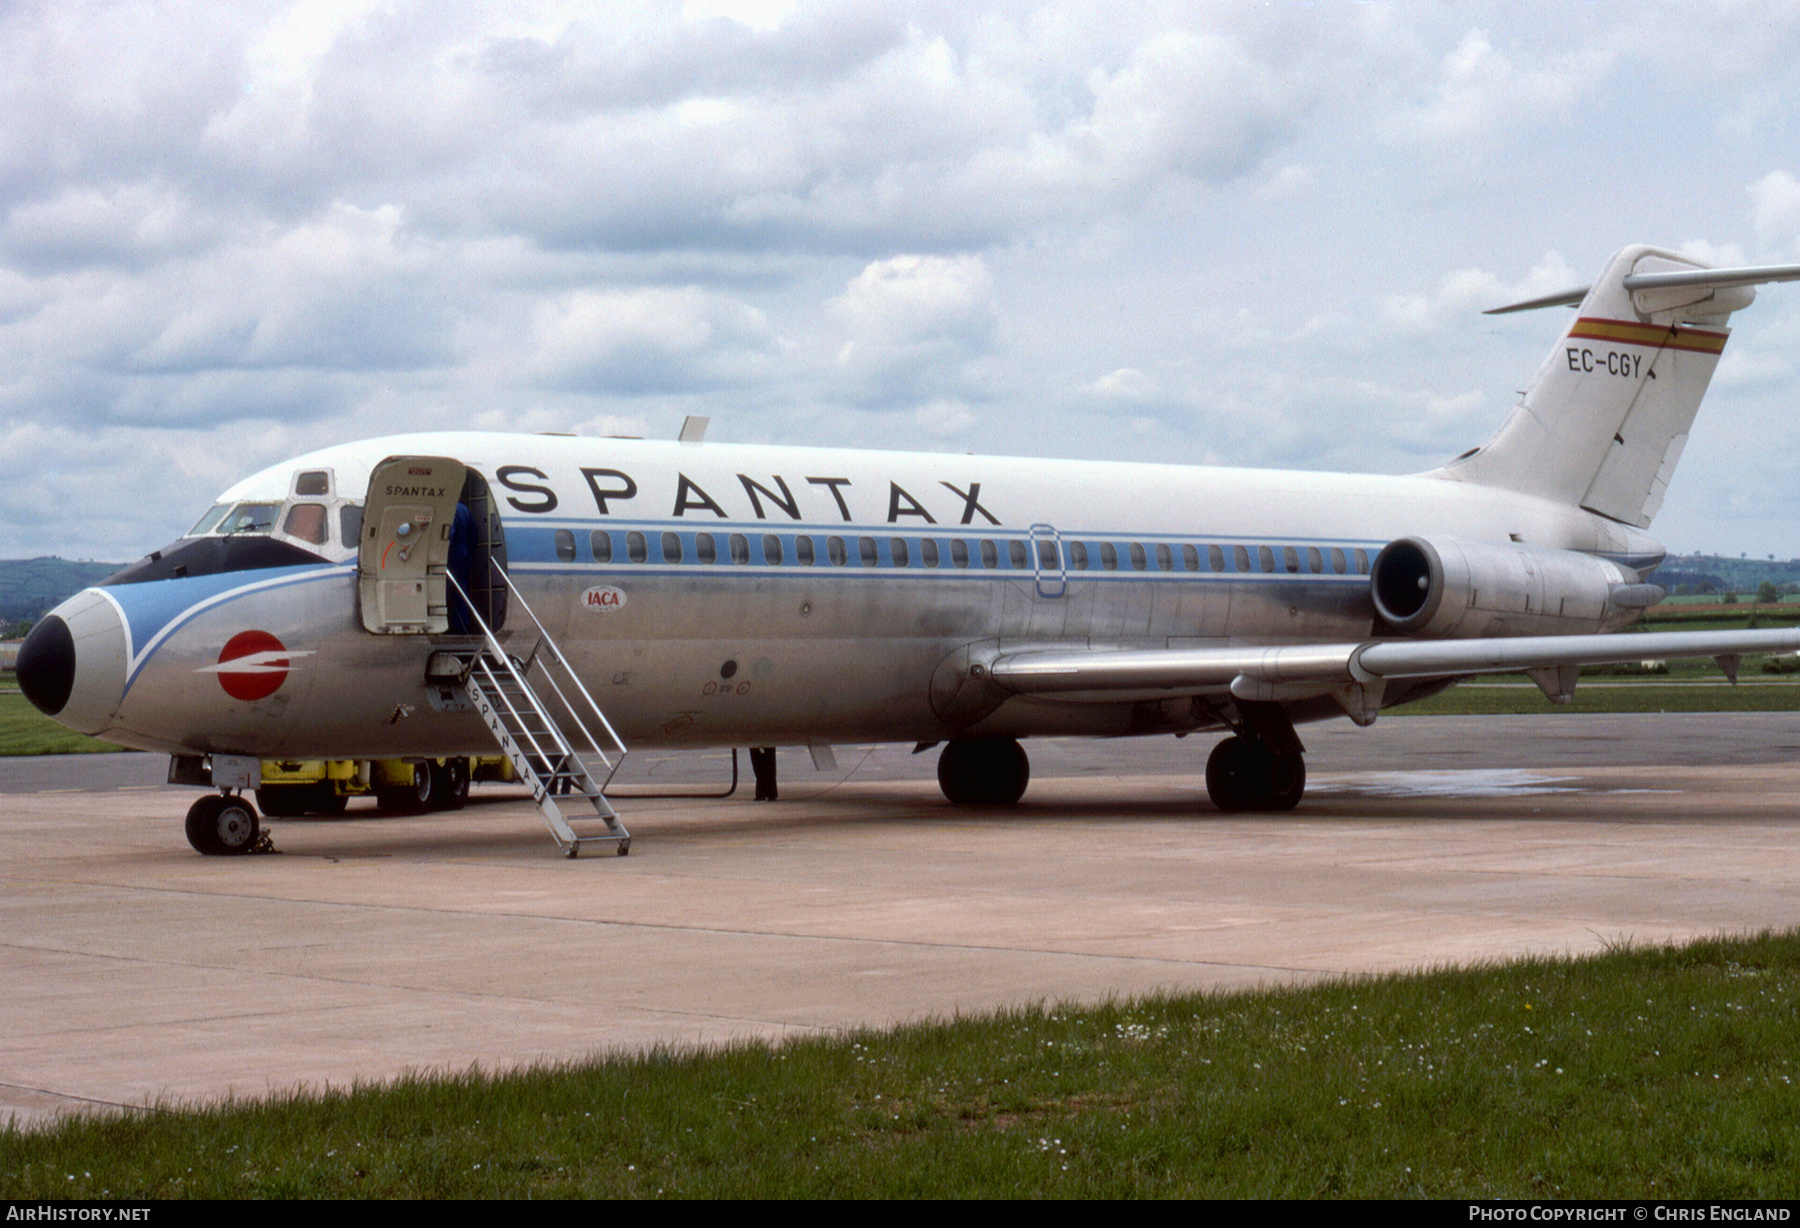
x: 559, y: 755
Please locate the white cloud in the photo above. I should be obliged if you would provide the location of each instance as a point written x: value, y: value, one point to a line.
x: 1463, y: 292
x: 1479, y: 91
x: 1230, y: 231
x: 1194, y: 104
x: 1775, y: 200
x: 913, y: 323
x: 645, y: 340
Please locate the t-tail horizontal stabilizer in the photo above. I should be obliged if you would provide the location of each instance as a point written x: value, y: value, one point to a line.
x: 1603, y: 423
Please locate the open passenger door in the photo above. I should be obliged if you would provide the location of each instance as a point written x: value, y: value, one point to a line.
x: 409, y: 520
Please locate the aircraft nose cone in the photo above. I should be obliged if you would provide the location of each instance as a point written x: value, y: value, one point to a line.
x: 46, y: 665
x: 72, y: 665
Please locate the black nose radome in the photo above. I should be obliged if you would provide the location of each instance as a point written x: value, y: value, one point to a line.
x: 46, y: 665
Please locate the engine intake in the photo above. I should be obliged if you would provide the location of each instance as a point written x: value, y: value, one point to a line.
x: 1448, y: 587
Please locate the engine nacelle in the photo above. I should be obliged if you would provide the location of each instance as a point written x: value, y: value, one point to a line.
x: 1448, y: 587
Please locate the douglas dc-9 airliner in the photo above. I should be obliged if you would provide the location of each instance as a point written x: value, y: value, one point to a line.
x: 428, y: 597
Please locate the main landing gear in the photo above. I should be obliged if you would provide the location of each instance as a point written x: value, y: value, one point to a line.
x: 223, y: 825
x: 1260, y: 768
x: 1245, y: 774
x: 984, y: 772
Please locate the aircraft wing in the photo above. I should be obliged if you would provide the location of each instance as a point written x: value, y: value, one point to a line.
x: 1355, y: 672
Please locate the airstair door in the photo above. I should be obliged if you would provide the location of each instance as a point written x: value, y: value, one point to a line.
x: 409, y: 518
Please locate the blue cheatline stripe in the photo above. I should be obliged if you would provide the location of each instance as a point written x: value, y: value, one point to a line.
x: 534, y: 547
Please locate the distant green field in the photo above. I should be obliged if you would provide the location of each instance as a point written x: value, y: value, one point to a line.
x: 1524, y: 699
x: 26, y: 731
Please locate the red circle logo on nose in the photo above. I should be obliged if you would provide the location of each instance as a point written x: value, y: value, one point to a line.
x: 252, y: 665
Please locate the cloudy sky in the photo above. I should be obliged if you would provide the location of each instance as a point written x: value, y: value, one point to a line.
x: 1249, y: 234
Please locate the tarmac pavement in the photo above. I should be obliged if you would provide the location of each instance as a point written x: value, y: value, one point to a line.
x: 139, y: 972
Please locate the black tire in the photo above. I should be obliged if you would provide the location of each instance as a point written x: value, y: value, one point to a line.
x: 223, y: 826
x: 407, y: 799
x: 984, y: 772
x: 1242, y: 775
x: 1228, y: 772
x: 450, y: 784
x: 1286, y: 783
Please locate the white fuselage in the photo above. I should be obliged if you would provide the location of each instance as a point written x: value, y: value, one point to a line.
x: 913, y: 558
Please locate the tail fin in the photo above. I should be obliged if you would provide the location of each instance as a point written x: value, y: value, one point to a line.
x: 1606, y: 417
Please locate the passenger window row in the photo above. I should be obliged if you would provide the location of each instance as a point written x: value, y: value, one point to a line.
x: 961, y: 553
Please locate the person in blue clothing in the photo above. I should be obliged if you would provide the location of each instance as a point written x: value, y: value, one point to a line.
x: 461, y: 565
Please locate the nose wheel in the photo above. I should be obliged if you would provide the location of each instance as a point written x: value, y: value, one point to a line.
x: 221, y: 825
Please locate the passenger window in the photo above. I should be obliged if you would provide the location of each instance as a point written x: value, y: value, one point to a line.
x: 990, y: 554
x: 1078, y: 556
x: 1362, y: 563
x: 1109, y: 556
x: 600, y: 545
x: 739, y: 546
x: 1240, y: 558
x: 1215, y: 558
x: 704, y: 549
x: 959, y: 552
x: 1015, y: 554
x: 1265, y: 558
x: 671, y: 544
x: 928, y: 552
x: 635, y: 547
x: 1315, y: 563
x: 1190, y: 558
x: 1165, y: 558
x: 307, y: 522
x: 865, y: 549
x: 897, y: 551
x: 1046, y: 554
x: 565, y: 545
x: 803, y: 550
x: 1138, y: 560
x: 1290, y: 559
x: 1337, y: 560
x: 834, y: 548
x: 771, y: 550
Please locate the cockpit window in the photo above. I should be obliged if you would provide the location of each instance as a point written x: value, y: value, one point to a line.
x: 207, y: 522
x: 307, y: 522
x: 249, y: 536
x: 249, y: 518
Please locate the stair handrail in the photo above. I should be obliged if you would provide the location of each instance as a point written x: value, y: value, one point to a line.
x: 545, y: 641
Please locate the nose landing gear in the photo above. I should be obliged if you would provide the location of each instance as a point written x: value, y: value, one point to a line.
x: 223, y: 825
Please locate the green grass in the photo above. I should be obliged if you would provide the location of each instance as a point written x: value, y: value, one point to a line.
x: 1524, y: 699
x: 26, y: 731
x: 1643, y: 1073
